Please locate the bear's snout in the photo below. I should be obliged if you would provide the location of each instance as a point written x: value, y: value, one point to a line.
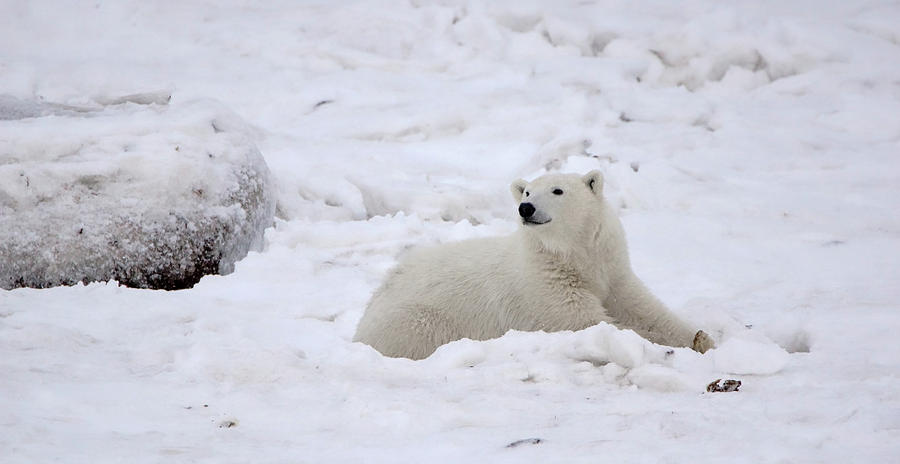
x: 526, y: 210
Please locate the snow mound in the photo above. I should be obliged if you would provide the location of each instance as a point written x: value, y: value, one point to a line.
x: 739, y: 356
x: 131, y: 189
x: 598, y: 355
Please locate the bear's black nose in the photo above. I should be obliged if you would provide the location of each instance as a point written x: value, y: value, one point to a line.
x: 526, y: 210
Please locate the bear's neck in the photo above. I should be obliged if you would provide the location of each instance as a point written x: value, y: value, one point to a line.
x: 584, y: 261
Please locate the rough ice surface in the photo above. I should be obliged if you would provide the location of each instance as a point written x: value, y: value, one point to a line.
x: 750, y: 146
x: 150, y: 195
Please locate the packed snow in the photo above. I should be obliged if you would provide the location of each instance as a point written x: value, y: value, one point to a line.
x: 751, y: 148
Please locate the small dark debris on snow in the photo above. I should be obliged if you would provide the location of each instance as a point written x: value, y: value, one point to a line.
x: 322, y: 103
x: 635, y: 166
x: 727, y: 386
x: 228, y: 423
x: 525, y: 441
x: 833, y: 243
x: 624, y: 118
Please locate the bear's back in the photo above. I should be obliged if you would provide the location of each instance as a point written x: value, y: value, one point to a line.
x: 437, y: 272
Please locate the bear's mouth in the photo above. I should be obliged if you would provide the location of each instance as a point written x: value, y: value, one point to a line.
x: 533, y: 222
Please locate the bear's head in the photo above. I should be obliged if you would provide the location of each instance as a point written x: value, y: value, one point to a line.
x: 561, y: 211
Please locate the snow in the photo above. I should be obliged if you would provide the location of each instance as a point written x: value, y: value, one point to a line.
x: 751, y: 148
x: 153, y: 195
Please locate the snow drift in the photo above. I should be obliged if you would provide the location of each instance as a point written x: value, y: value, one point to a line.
x: 151, y: 195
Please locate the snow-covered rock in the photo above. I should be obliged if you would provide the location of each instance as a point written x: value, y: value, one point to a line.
x: 131, y: 189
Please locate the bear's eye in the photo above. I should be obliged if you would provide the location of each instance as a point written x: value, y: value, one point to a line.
x: 526, y: 194
x: 557, y: 191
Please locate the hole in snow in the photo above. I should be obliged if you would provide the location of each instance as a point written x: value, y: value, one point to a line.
x: 798, y: 342
x: 596, y: 362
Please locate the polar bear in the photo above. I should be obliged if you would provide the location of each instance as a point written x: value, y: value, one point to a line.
x: 566, y: 268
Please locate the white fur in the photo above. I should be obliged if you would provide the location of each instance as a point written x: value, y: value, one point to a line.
x: 568, y: 273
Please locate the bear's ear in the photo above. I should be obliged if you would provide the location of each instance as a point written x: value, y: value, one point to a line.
x: 517, y: 188
x: 594, y: 181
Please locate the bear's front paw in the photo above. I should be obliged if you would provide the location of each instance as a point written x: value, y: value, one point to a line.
x: 702, y: 342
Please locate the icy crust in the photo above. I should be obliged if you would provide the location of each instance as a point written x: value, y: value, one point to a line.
x: 151, y: 195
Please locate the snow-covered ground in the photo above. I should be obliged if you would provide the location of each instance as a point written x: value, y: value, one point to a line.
x: 751, y: 146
